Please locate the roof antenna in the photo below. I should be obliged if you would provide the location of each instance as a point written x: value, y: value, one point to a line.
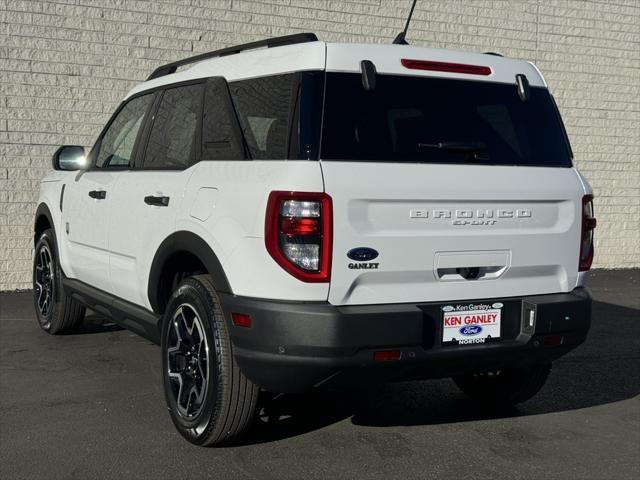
x: 399, y: 40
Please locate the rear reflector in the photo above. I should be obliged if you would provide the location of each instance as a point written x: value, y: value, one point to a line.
x: 241, y: 320
x: 553, y: 340
x: 445, y: 67
x: 386, y: 355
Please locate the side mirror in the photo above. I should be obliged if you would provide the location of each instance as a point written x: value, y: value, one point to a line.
x: 69, y: 157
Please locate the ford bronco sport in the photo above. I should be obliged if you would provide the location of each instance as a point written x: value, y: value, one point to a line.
x: 293, y: 214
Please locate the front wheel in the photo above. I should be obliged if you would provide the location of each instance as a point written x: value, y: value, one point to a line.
x: 56, y: 311
x: 209, y: 399
x: 504, y: 387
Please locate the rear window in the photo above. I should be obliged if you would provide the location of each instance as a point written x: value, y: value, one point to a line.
x: 433, y: 120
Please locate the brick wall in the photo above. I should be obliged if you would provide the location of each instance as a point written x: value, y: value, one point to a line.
x: 64, y: 66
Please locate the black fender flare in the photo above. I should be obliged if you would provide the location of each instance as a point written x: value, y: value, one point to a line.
x: 42, y: 211
x: 187, y: 242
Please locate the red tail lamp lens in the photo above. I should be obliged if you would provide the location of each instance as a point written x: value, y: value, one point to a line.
x: 445, y: 67
x: 386, y: 355
x: 300, y: 226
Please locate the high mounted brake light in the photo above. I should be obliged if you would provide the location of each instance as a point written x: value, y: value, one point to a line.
x: 586, y: 237
x: 445, y: 67
x: 298, y: 234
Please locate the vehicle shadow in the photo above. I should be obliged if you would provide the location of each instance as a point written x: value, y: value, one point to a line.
x: 94, y: 323
x: 605, y: 369
x: 20, y: 305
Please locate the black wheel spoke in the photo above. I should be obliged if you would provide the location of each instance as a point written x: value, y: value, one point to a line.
x: 183, y: 397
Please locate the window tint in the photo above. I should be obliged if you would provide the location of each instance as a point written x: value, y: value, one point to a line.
x: 263, y: 106
x: 307, y: 117
x: 418, y: 119
x: 172, y: 140
x: 220, y: 132
x: 116, y: 145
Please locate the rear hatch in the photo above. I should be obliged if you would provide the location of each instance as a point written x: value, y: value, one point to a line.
x: 463, y: 188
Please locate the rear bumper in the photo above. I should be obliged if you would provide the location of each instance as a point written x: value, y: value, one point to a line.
x: 294, y: 346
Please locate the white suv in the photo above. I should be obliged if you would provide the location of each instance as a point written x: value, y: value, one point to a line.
x: 294, y: 214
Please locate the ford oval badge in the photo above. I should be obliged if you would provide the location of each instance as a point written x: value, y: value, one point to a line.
x: 470, y: 330
x: 362, y: 254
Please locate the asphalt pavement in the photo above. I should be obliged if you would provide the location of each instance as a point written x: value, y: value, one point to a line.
x: 90, y: 406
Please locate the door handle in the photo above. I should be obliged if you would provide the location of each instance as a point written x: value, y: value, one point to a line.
x: 156, y: 201
x: 98, y: 194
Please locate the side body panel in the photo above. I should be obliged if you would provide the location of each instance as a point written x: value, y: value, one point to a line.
x: 136, y: 229
x: 85, y: 222
x: 225, y: 204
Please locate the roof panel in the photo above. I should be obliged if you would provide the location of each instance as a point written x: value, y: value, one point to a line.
x: 346, y: 57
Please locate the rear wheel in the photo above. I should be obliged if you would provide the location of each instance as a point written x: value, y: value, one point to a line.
x: 209, y: 399
x: 504, y: 387
x: 56, y: 311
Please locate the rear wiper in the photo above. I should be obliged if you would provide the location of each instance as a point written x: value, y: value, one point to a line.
x: 463, y: 147
x: 474, y: 150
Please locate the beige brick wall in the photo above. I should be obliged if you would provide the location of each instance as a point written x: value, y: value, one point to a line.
x: 64, y: 66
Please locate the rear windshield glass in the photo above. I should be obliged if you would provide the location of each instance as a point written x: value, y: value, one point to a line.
x: 433, y: 120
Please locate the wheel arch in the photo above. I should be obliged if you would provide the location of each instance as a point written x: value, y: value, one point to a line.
x: 42, y: 221
x: 193, y: 251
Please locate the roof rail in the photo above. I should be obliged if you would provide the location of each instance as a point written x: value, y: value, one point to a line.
x: 268, y: 43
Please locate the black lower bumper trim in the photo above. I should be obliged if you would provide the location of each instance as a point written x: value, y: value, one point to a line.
x: 297, y: 346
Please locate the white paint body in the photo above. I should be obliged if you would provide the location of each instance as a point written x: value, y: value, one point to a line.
x: 404, y: 211
x: 534, y: 253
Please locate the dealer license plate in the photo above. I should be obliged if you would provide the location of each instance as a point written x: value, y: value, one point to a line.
x: 471, y: 323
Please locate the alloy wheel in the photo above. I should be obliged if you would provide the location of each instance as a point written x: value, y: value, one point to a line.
x: 44, y: 284
x: 187, y: 361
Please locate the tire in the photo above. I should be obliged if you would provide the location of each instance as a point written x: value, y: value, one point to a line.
x: 219, y: 403
x: 56, y: 311
x: 505, y: 387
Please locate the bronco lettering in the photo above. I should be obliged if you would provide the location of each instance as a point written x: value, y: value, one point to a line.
x: 465, y: 217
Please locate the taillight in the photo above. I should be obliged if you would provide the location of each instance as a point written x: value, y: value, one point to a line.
x: 586, y: 240
x: 298, y: 234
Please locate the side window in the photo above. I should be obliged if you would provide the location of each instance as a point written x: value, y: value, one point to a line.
x: 263, y: 106
x: 116, y: 145
x: 172, y: 141
x: 220, y: 133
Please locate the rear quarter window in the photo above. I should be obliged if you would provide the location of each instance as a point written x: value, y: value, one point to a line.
x: 263, y: 106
